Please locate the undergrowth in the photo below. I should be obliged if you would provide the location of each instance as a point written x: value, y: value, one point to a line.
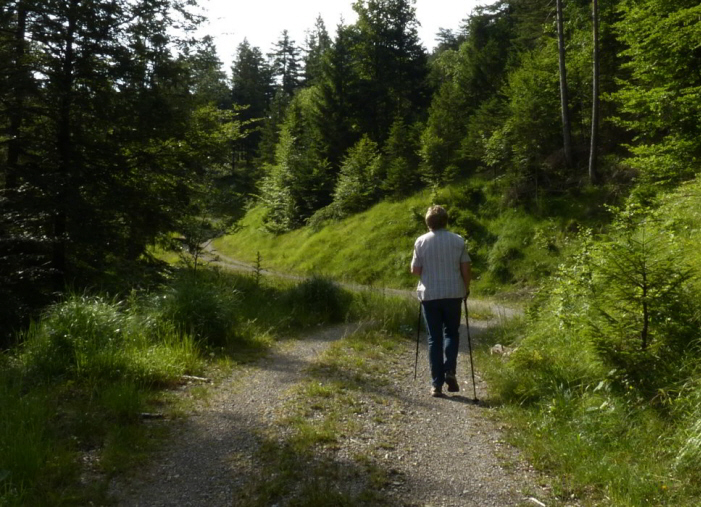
x: 602, y: 381
x: 82, y: 375
x: 513, y: 246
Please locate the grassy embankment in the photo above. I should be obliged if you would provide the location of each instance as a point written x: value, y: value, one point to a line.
x: 512, y: 249
x: 73, y: 392
x: 603, y: 388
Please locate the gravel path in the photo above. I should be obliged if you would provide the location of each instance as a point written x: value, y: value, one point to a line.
x: 446, y: 451
x: 452, y: 452
x: 200, y: 467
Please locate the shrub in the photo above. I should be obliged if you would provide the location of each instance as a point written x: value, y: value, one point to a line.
x: 76, y: 338
x: 642, y: 317
x: 359, y: 179
x: 202, y: 304
x: 318, y: 300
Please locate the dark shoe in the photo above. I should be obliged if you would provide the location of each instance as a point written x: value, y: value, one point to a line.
x: 453, y: 386
x: 436, y: 392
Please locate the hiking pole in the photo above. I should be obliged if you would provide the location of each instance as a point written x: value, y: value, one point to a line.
x: 469, y: 346
x: 418, y: 332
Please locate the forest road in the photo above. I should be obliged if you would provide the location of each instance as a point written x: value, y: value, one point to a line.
x: 446, y: 451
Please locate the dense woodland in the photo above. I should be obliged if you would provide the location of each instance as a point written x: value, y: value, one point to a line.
x: 564, y: 136
x: 118, y: 133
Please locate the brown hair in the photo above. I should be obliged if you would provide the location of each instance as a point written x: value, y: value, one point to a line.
x: 436, y: 217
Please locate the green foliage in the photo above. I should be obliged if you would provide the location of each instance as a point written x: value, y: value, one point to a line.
x: 467, y: 77
x: 391, y: 66
x: 533, y: 96
x: 401, y: 159
x: 359, y: 181
x: 607, y: 362
x: 659, y: 98
x: 318, y: 300
x: 318, y: 43
x: 251, y: 89
x: 114, y: 121
x: 285, y: 64
x: 215, y: 204
x: 441, y: 137
x: 203, y: 305
x: 370, y: 78
x: 300, y: 183
x: 642, y: 308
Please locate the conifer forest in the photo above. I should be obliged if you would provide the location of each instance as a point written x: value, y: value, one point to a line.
x: 122, y: 136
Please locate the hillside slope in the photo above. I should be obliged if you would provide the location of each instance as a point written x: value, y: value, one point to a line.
x: 513, y: 249
x: 373, y: 247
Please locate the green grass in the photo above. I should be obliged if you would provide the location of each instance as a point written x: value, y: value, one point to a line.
x: 371, y: 248
x: 512, y: 249
x: 609, y: 431
x: 86, y: 371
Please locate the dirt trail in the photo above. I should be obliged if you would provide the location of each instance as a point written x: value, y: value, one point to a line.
x: 216, y: 258
x: 200, y: 466
x: 447, y: 452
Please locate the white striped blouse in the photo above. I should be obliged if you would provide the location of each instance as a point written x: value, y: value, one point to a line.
x: 439, y: 253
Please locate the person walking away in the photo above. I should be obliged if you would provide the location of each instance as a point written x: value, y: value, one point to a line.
x: 443, y: 266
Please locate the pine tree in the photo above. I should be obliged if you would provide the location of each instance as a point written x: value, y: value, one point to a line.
x: 251, y: 89
x: 285, y: 62
x: 317, y: 44
x: 98, y: 107
x: 392, y: 65
x: 337, y: 98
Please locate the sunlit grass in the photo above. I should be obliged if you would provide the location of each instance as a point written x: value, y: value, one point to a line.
x: 371, y: 248
x: 604, y: 440
x: 512, y: 249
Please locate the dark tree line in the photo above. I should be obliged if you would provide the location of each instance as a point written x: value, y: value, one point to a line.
x: 101, y: 146
x: 115, y: 133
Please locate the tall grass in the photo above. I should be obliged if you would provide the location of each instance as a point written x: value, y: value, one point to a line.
x: 92, y: 340
x: 613, y: 415
x: 86, y: 371
x: 602, y: 445
x: 24, y: 443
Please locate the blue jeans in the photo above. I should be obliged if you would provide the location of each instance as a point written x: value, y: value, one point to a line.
x: 442, y: 318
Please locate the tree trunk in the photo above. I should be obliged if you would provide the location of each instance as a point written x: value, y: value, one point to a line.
x: 17, y: 109
x: 595, y: 95
x: 564, y: 99
x: 65, y: 150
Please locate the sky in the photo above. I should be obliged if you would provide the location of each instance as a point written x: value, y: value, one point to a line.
x: 262, y: 21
